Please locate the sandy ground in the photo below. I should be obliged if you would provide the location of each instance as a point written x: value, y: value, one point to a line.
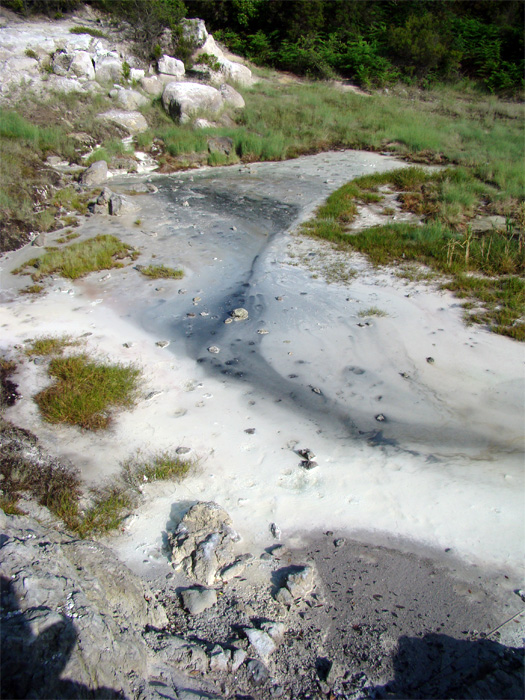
x: 424, y: 457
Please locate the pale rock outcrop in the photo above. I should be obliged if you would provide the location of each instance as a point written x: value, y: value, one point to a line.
x: 130, y: 99
x: 120, y: 205
x: 61, y: 83
x: 108, y: 69
x: 61, y: 63
x: 73, y: 616
x: 181, y: 100
x: 132, y: 122
x: 229, y: 70
x: 152, y: 85
x: 82, y: 65
x: 194, y: 31
x: 231, y: 96
x: 171, y: 66
x: 96, y: 174
x: 136, y: 73
x: 203, y: 542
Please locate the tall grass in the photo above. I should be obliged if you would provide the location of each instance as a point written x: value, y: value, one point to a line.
x: 102, y: 252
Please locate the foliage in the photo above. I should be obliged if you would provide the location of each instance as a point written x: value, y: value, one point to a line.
x: 92, y: 31
x: 487, y: 267
x: 102, y: 252
x: 50, y: 345
x: 161, y: 272
x: 160, y: 465
x: 85, y: 390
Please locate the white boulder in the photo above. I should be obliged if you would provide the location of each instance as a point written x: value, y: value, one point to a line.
x: 171, y: 66
x: 108, y: 69
x: 152, y: 85
x: 130, y: 99
x: 132, y: 122
x: 136, y: 73
x: 181, y: 100
x: 82, y: 65
x: 231, y: 96
x: 194, y: 31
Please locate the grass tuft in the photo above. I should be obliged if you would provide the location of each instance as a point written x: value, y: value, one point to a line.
x: 32, y: 289
x: 161, y: 272
x: 372, y: 311
x: 85, y: 390
x: 97, y: 33
x: 102, y: 252
x: 50, y: 345
x: 158, y: 466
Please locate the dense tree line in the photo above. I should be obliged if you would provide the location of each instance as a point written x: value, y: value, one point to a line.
x: 373, y: 42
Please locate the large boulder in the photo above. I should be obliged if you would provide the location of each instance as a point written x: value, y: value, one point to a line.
x: 96, y: 174
x: 132, y: 122
x: 231, y: 96
x: 82, y: 65
x: 171, y: 66
x: 152, y: 85
x: 182, y: 100
x: 228, y: 70
x: 203, y: 542
x: 194, y: 32
x: 130, y: 99
x: 120, y: 205
x: 108, y: 69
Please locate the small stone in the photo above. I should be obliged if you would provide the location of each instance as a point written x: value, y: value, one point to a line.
x: 263, y: 331
x: 301, y: 582
x: 39, y: 361
x: 261, y: 642
x: 275, y: 630
x: 238, y: 659
x: 284, y: 596
x: 430, y: 360
x: 380, y: 417
x: 279, y: 551
x: 183, y: 450
x: 308, y: 464
x: 153, y: 394
x: 196, y: 299
x: 339, y: 542
x: 258, y: 671
x: 190, y: 315
x: 306, y: 453
x: 204, y: 313
x: 316, y: 390
x: 185, y: 204
x: 219, y: 659
x: 278, y: 298
x: 182, y: 291
x: 239, y: 314
x: 162, y: 343
x: 214, y: 349
x: 229, y: 320
x: 276, y: 533
x: 250, y: 431
x: 196, y: 600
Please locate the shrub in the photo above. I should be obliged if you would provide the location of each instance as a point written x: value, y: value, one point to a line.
x: 161, y: 272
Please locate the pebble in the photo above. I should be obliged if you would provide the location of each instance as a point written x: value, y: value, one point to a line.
x: 162, y: 343
x: 153, y: 394
x: 308, y: 464
x: 183, y: 450
x: 306, y: 453
x: 196, y: 299
x: 229, y: 320
x: 214, y: 349
x: 262, y: 331
x: 128, y: 345
x: 276, y: 533
x: 430, y: 360
x: 185, y: 204
x: 316, y: 390
x: 250, y: 431
x: 339, y: 542
x: 380, y: 417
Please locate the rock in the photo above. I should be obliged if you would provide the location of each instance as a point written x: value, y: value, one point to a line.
x: 231, y: 96
x: 220, y: 144
x: 250, y: 431
x: 279, y: 551
x: 214, y: 349
x: 306, y: 453
x: 196, y: 600
x: 188, y: 657
x: 488, y: 223
x: 202, y: 544
x: 162, y: 343
x: 339, y: 542
x: 120, y: 205
x: 238, y: 658
x: 39, y: 241
x: 261, y: 642
x: 219, y: 659
x: 276, y: 532
x: 430, y: 360
x: 61, y: 63
x: 258, y: 671
x: 105, y: 195
x: 236, y: 72
x: 152, y: 85
x: 284, y: 596
x: 132, y: 122
x: 301, y: 582
x: 136, y: 74
x: 201, y: 123
x: 96, y: 174
x: 194, y: 32
x: 263, y: 331
x: 108, y: 69
x: 237, y: 568
x: 183, y: 450
x: 239, y: 314
x: 72, y: 613
x: 275, y: 630
x: 181, y: 100
x: 308, y: 464
x: 171, y: 66
x: 131, y: 99
x: 380, y: 417
x: 82, y: 66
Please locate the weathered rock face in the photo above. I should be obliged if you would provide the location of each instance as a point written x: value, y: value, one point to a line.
x: 120, y: 205
x: 72, y: 616
x: 108, y: 69
x: 82, y: 65
x: 194, y: 31
x: 132, y: 122
x: 131, y: 99
x: 96, y: 174
x: 181, y: 100
x: 231, y: 96
x: 171, y: 66
x: 202, y: 544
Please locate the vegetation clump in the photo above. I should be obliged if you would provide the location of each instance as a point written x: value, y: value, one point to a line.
x: 161, y: 272
x: 157, y: 466
x: 50, y: 345
x: 102, y: 252
x: 85, y: 390
x: 486, y: 267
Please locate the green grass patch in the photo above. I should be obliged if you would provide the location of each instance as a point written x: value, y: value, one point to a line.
x: 158, y: 466
x: 372, y: 311
x: 102, y: 252
x: 160, y: 272
x: 85, y: 390
x: 97, y: 33
x: 67, y: 238
x: 110, y: 505
x: 32, y: 289
x: 484, y: 267
x: 50, y: 345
